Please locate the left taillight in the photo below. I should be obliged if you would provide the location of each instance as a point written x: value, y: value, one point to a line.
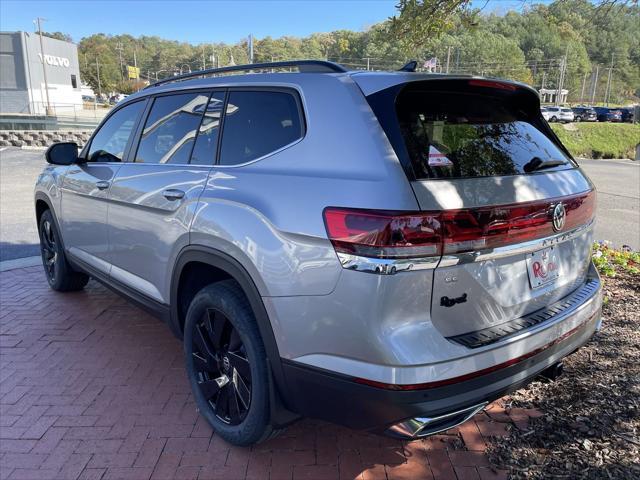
x: 381, y: 234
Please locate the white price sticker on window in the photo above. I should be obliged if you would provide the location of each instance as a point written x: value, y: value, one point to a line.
x: 437, y: 158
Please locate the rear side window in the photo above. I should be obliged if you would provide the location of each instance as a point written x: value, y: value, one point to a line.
x: 467, y: 134
x: 109, y: 143
x: 171, y: 127
x: 258, y: 123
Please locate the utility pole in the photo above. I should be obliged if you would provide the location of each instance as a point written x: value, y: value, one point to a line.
x: 448, y: 57
x: 607, y: 91
x: 49, y: 111
x: 457, y: 59
x: 368, y: 65
x: 250, y: 48
x: 563, y: 71
x: 595, y: 85
x: 544, y: 78
x: 204, y: 61
x: 98, y: 74
x: 215, y: 60
x: 119, y: 48
x: 584, y: 83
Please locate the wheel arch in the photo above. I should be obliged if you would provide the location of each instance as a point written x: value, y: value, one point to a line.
x: 222, y: 266
x: 42, y: 204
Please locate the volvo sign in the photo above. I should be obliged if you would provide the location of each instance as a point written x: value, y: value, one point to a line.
x: 55, y: 61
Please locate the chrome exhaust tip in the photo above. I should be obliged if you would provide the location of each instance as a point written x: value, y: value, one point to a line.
x: 424, y: 426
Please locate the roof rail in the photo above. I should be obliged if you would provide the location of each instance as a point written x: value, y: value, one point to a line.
x: 306, y: 66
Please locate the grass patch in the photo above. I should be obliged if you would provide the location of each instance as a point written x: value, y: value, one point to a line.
x: 599, y: 140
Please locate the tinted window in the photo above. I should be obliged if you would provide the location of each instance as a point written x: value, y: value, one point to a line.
x: 170, y: 128
x: 454, y: 135
x: 109, y: 142
x: 258, y: 123
x: 204, y: 151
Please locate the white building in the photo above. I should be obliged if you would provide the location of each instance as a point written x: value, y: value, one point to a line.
x: 22, y: 85
x: 548, y: 95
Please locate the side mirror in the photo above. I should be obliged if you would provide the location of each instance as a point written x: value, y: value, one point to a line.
x: 63, y: 153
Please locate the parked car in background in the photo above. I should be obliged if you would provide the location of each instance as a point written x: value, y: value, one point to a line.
x: 117, y: 97
x: 566, y: 115
x: 236, y: 209
x: 584, y: 114
x: 551, y: 114
x: 606, y: 114
x: 627, y: 114
x: 557, y: 114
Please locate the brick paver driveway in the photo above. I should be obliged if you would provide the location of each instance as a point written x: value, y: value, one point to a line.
x: 93, y: 388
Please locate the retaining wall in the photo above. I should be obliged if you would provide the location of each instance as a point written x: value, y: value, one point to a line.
x: 42, y: 138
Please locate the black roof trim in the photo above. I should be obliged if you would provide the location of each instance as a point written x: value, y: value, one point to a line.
x: 304, y: 66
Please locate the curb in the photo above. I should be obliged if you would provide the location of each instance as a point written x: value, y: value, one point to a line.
x: 20, y: 263
x: 28, y: 147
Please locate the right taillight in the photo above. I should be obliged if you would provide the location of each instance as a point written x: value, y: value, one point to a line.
x: 382, y: 234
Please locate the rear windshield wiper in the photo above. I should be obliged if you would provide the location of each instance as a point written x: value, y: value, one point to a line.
x: 536, y: 164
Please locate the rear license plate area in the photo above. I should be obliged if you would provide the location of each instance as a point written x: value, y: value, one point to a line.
x: 542, y: 267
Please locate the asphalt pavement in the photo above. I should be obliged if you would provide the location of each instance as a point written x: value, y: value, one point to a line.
x: 617, y: 182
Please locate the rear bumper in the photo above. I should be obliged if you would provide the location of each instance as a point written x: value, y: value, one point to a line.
x: 345, y: 400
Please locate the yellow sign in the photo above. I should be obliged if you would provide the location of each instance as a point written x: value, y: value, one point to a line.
x: 134, y: 72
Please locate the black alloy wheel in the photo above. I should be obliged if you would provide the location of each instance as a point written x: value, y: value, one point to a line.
x: 227, y: 364
x: 222, y: 367
x: 60, y: 275
x: 49, y: 249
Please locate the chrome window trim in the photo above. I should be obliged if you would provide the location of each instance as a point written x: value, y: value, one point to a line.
x: 267, y: 155
x: 391, y: 266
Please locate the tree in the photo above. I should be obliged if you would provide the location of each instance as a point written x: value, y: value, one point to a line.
x: 65, y: 37
x: 418, y: 21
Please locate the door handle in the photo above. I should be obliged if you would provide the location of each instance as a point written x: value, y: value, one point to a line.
x: 102, y: 184
x: 173, y: 194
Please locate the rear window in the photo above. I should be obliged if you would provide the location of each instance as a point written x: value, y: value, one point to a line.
x: 468, y: 134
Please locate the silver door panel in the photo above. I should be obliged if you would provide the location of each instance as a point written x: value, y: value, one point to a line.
x: 146, y: 228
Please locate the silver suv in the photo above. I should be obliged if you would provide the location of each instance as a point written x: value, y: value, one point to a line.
x: 385, y: 250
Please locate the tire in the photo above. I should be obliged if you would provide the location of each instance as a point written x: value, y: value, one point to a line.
x: 553, y: 119
x: 60, y: 275
x: 578, y: 119
x: 226, y: 364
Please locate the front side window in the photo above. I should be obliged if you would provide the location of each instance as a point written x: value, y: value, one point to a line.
x: 171, y: 127
x: 258, y: 123
x: 109, y: 143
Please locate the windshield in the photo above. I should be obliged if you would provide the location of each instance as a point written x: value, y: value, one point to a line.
x: 460, y: 135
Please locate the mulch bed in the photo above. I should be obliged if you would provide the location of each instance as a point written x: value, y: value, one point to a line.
x: 590, y: 426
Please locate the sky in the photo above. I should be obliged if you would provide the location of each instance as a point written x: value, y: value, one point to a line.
x: 204, y: 21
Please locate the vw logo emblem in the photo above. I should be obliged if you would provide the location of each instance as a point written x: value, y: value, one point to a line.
x: 559, y: 217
